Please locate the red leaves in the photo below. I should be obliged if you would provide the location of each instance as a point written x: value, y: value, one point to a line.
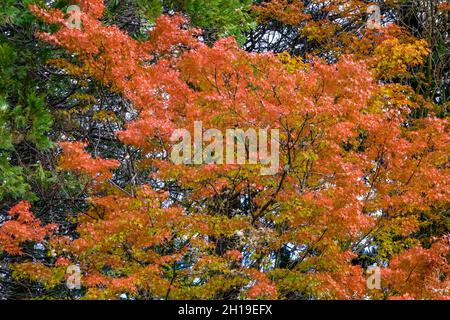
x: 95, y: 8
x: 234, y: 255
x: 74, y: 158
x: 419, y: 273
x: 345, y: 284
x: 262, y: 288
x: 354, y: 162
x: 168, y: 35
x: 25, y: 227
x: 21, y: 211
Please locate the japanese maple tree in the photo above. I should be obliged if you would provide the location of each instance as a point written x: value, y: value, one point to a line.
x: 358, y: 172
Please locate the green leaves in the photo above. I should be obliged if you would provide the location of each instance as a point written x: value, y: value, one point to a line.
x: 24, y: 117
x: 151, y: 9
x: 12, y: 181
x: 15, y: 11
x: 9, y: 12
x: 31, y: 123
x: 223, y: 17
x: 219, y: 18
x: 41, y: 122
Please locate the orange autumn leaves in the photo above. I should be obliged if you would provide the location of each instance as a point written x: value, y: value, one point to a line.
x: 22, y: 227
x: 417, y: 273
x: 76, y: 159
x: 339, y: 27
x: 354, y: 165
x: 288, y: 12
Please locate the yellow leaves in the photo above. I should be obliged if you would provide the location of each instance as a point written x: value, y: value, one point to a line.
x: 393, y: 58
x: 212, y: 286
x: 292, y: 63
x: 69, y: 68
x: 211, y: 263
x: 83, y: 97
x: 104, y: 115
x: 34, y: 271
x: 68, y: 117
x: 390, y: 244
x: 319, y: 31
x: 394, y: 96
x: 403, y: 225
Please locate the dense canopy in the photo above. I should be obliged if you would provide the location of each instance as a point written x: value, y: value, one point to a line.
x: 86, y: 177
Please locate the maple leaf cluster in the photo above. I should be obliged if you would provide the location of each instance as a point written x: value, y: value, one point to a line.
x: 354, y: 165
x: 22, y: 227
